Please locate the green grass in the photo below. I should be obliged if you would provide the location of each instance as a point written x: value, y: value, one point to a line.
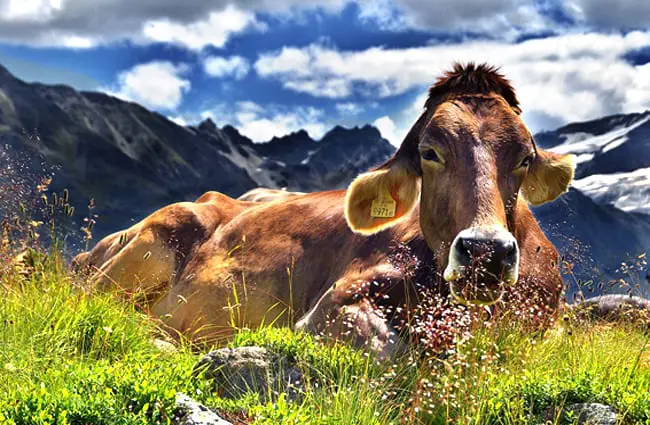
x: 70, y: 356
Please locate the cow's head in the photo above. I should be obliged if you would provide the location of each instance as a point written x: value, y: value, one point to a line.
x: 468, y: 157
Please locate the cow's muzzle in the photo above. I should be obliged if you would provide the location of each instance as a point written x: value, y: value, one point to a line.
x: 482, y: 260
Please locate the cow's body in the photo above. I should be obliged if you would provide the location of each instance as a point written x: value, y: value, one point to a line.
x: 250, y: 264
x: 320, y: 260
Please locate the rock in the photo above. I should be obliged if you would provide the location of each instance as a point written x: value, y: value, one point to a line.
x: 236, y: 371
x: 614, y: 308
x: 613, y: 304
x: 165, y: 347
x: 586, y: 414
x: 190, y: 412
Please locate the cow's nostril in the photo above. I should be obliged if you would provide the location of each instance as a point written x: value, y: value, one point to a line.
x: 476, y: 249
x: 464, y: 250
x: 496, y: 251
x: 511, y: 251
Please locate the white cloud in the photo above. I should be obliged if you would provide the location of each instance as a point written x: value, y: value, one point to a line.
x: 178, y: 120
x: 64, y: 23
x: 334, y: 88
x: 261, y: 123
x: 611, y: 14
x: 503, y: 18
x: 29, y: 10
x: 215, y: 30
x: 233, y: 66
x: 395, y: 128
x: 193, y: 24
x: 198, y: 23
x: 76, y: 42
x: 558, y: 79
x: 385, y: 13
x: 156, y: 85
x: 388, y: 129
x: 349, y: 108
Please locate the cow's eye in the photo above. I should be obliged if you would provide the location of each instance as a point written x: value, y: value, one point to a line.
x: 527, y: 161
x: 430, y: 155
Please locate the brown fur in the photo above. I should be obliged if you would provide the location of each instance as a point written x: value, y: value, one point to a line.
x: 218, y: 263
x: 263, y: 194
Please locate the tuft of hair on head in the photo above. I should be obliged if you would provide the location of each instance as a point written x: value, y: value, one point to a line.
x: 470, y: 78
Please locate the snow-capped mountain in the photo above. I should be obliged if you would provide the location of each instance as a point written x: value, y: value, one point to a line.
x: 613, y: 155
x: 604, y: 220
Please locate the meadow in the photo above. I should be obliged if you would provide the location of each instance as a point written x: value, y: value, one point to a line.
x: 72, y: 355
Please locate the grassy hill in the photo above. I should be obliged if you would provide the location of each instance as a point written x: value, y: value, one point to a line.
x: 69, y: 355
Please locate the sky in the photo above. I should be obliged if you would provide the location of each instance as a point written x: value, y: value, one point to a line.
x: 270, y: 67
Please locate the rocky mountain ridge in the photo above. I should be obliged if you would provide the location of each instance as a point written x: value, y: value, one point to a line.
x: 132, y: 161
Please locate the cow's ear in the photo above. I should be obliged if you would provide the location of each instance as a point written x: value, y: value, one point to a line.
x: 549, y: 177
x: 379, y: 199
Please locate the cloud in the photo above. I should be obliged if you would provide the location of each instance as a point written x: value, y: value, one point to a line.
x: 498, y: 18
x: 233, y: 66
x: 178, y: 120
x: 29, y: 10
x: 611, y: 14
x: 193, y: 24
x: 395, y: 128
x: 212, y: 31
x: 349, y: 108
x: 566, y: 77
x: 388, y: 129
x: 505, y: 19
x: 155, y: 85
x: 262, y: 122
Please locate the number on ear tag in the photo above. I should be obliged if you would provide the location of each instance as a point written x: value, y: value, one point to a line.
x: 383, y: 208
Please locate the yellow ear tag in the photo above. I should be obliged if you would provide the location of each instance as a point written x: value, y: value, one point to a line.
x: 384, y: 206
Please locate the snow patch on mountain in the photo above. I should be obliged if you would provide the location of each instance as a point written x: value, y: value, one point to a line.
x: 626, y: 191
x: 585, y: 146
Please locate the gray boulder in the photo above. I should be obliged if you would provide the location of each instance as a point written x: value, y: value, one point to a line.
x: 586, y: 414
x: 236, y: 371
x: 190, y: 412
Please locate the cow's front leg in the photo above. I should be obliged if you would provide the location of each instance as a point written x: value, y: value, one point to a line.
x: 346, y: 311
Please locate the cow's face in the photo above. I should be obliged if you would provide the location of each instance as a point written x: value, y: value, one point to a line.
x: 474, y: 155
x: 469, y: 159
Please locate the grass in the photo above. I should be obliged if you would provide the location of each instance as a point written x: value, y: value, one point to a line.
x: 70, y: 356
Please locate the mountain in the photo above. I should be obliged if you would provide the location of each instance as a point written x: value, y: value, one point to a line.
x: 613, y: 155
x: 133, y: 161
x: 605, y: 219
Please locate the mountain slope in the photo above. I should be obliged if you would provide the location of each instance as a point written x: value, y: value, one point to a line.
x: 613, y: 155
x: 608, y: 213
x: 133, y: 161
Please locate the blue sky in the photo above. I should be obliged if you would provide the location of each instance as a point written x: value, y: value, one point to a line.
x: 270, y: 67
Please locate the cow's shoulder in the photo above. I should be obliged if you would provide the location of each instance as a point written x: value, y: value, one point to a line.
x: 312, y: 225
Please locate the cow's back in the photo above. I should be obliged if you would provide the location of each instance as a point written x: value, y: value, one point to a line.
x: 176, y: 229
x: 278, y: 255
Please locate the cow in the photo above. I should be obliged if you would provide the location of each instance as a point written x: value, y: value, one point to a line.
x: 456, y: 193
x: 265, y: 194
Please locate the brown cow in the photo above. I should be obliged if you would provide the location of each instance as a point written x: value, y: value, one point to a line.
x: 456, y: 193
x: 264, y: 194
